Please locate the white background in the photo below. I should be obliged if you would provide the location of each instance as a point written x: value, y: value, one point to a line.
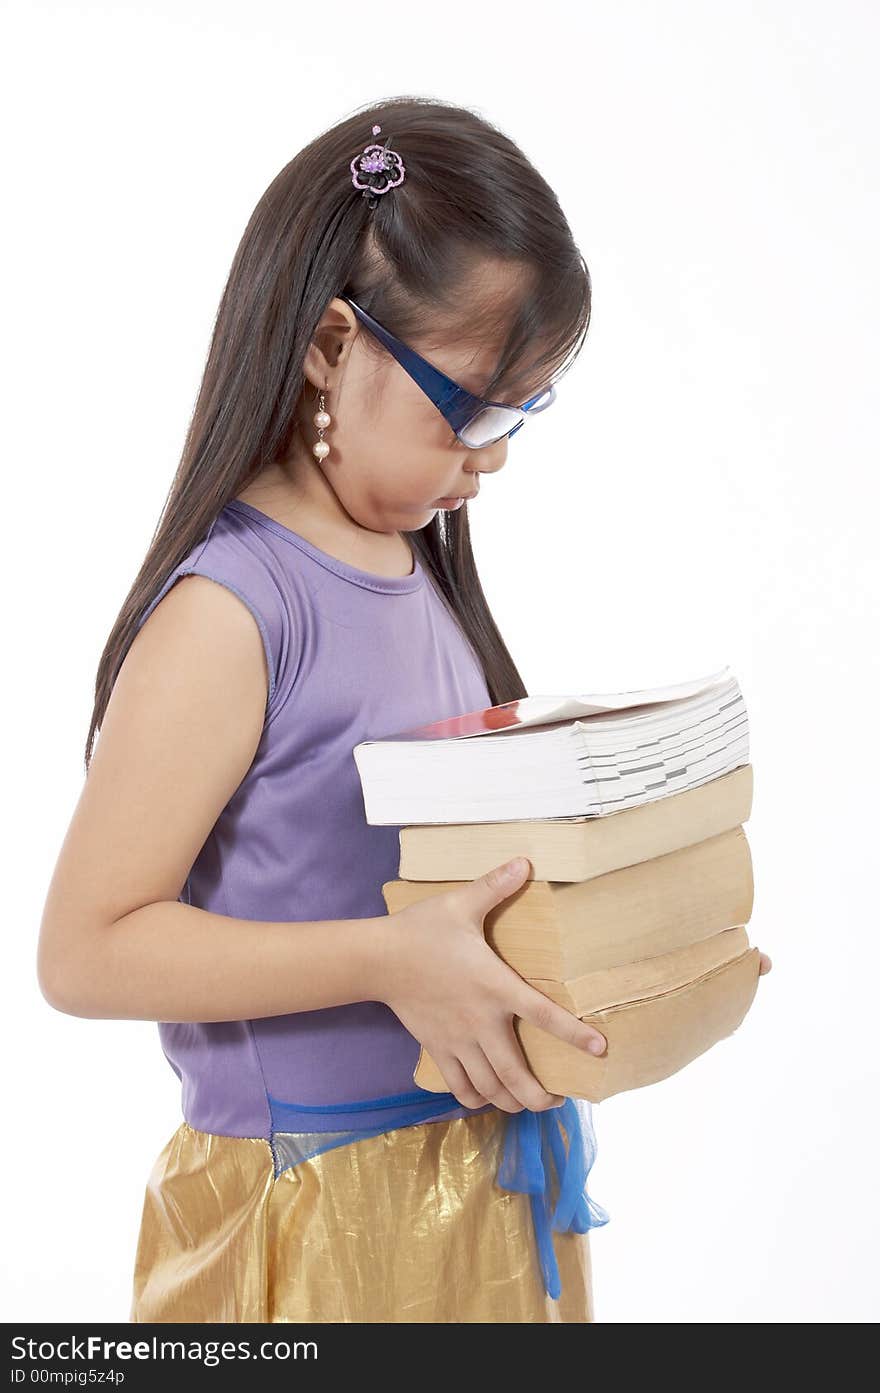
x: 705, y: 493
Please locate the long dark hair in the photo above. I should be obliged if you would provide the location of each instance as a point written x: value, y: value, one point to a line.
x: 469, y: 194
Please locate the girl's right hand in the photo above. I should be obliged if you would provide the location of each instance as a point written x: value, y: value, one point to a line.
x: 458, y: 997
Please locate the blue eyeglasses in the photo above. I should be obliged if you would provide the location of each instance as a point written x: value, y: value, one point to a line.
x: 474, y: 420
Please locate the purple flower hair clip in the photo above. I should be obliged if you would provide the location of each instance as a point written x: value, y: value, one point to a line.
x: 376, y: 170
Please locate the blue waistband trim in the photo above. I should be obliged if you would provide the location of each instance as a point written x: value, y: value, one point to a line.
x: 534, y: 1148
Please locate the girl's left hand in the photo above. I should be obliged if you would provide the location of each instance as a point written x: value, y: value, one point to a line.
x: 766, y: 965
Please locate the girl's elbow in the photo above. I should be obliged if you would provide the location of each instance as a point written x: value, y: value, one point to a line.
x: 62, y: 981
x: 59, y: 990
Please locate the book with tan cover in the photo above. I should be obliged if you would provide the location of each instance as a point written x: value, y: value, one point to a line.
x: 579, y: 848
x: 653, y: 1027
x: 632, y: 981
x: 559, y: 930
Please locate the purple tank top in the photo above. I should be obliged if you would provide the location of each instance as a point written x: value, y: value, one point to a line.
x: 351, y: 656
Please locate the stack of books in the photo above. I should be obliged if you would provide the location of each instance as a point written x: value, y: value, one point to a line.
x: 630, y: 808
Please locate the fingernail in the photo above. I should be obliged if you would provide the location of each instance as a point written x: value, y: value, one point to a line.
x: 515, y: 867
x: 596, y: 1046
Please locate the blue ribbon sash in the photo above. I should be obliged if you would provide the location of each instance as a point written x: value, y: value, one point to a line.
x: 534, y: 1148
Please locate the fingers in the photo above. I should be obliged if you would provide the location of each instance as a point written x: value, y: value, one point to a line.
x: 542, y: 1011
x: 513, y: 1073
x: 765, y: 964
x: 457, y: 1081
x: 507, y: 1082
x: 486, y: 1080
x: 490, y: 889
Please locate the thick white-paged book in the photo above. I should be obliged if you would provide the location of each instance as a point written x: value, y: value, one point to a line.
x: 557, y: 756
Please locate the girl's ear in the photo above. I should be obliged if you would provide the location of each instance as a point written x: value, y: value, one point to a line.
x: 331, y: 344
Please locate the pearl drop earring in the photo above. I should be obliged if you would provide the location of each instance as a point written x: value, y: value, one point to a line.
x: 321, y: 418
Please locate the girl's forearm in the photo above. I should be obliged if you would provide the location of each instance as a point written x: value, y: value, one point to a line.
x: 174, y: 962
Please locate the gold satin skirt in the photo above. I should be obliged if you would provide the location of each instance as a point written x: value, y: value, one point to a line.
x: 409, y: 1225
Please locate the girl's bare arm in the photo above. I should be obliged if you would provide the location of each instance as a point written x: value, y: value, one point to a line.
x: 180, y: 732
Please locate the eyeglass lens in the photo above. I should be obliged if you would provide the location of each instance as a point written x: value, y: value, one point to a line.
x: 493, y: 422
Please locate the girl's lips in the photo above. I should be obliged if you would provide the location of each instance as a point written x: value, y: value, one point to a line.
x: 455, y: 500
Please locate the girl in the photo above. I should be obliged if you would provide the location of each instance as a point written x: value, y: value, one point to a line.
x: 310, y: 585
